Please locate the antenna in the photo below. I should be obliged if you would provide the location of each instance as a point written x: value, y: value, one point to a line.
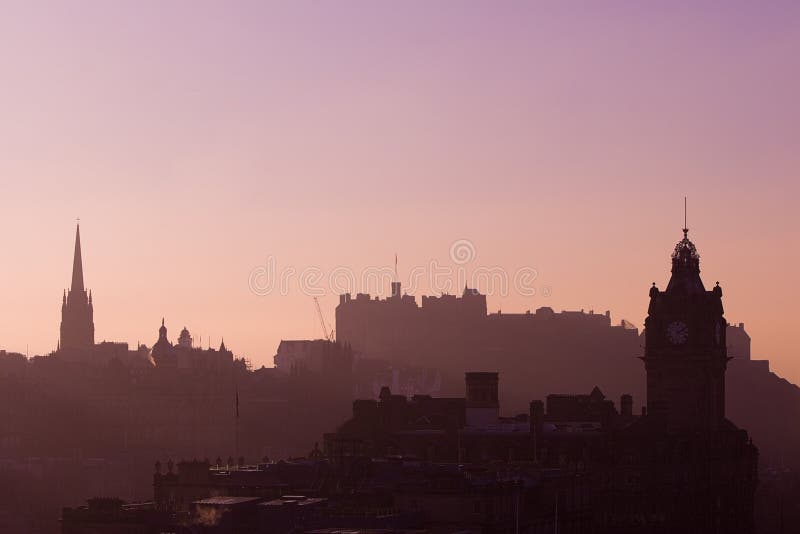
x: 685, y: 226
x: 395, y: 267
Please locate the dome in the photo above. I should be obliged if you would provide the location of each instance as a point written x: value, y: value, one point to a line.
x: 685, y: 249
x: 185, y: 339
x: 685, y: 268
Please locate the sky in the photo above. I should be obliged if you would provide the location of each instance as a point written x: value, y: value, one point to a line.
x: 204, y: 144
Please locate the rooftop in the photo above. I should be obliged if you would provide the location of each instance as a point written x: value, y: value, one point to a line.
x: 226, y: 501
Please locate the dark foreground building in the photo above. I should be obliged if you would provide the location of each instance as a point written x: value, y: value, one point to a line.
x: 689, y: 468
x: 682, y: 466
x: 571, y: 464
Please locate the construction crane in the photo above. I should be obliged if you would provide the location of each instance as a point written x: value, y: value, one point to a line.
x: 325, y: 334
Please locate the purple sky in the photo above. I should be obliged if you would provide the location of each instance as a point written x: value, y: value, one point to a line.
x: 195, y: 139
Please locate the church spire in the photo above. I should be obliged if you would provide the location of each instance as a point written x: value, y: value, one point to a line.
x: 77, y: 264
x: 77, y: 324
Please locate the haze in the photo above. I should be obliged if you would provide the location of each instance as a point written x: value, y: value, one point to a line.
x: 195, y: 140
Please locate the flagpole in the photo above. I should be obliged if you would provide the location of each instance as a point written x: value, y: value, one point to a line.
x: 236, y: 427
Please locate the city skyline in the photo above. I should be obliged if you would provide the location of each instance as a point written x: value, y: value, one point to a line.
x: 198, y: 142
x: 452, y: 272
x: 372, y: 266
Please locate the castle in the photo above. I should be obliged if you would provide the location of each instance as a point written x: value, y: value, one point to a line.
x: 536, y: 352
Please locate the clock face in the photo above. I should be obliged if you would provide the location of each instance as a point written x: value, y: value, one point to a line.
x: 677, y: 332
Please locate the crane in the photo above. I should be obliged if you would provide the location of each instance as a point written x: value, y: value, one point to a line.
x: 327, y: 335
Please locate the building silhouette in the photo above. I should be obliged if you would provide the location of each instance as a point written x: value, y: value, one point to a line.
x: 685, y: 350
x: 536, y: 351
x: 314, y: 355
x: 77, y: 312
x: 184, y: 355
x: 77, y: 337
x: 680, y: 466
x: 566, y: 462
x: 683, y: 463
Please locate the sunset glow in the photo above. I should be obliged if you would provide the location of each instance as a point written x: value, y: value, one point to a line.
x: 196, y: 140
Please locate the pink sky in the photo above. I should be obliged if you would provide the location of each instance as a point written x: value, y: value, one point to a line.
x: 195, y: 139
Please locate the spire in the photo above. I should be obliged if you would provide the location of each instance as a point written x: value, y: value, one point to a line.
x: 685, y: 225
x: 77, y: 264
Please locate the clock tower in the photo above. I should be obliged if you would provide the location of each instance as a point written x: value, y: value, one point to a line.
x: 685, y: 353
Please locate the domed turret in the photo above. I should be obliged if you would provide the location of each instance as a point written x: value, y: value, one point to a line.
x: 185, y: 339
x: 162, y: 348
x: 685, y: 268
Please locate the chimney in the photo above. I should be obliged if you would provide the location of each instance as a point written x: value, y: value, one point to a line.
x: 626, y: 405
x: 483, y: 406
